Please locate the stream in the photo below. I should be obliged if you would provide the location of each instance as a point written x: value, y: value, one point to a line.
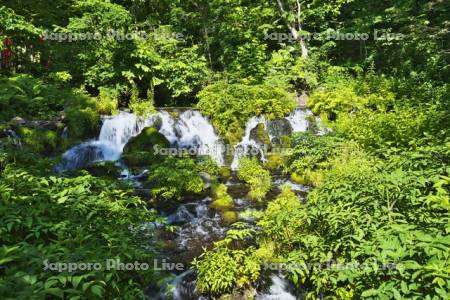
x: 196, y: 224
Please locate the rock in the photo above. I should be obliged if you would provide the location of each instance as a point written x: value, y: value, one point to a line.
x: 279, y: 127
x: 259, y: 135
x: 229, y: 217
x: 139, y: 151
x: 302, y: 99
x: 79, y: 157
x: 206, y: 179
x: 18, y: 121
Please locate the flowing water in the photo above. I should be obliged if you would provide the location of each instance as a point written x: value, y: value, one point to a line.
x: 197, y: 225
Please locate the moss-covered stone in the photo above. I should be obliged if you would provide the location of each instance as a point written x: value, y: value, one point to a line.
x: 260, y: 135
x: 224, y: 203
x: 225, y: 172
x: 223, y: 200
x: 145, y: 141
x: 229, y: 217
x: 274, y: 162
x: 139, y: 151
x: 313, y: 178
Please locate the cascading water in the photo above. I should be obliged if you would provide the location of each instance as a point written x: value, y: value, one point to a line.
x: 189, y: 131
x: 247, y: 144
x: 297, y: 120
x: 116, y: 131
x: 193, y: 131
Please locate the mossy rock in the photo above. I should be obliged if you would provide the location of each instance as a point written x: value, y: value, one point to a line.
x: 223, y: 204
x: 145, y: 141
x: 225, y: 172
x: 229, y: 217
x: 309, y: 177
x: 260, y: 135
x: 274, y: 162
x: 139, y: 151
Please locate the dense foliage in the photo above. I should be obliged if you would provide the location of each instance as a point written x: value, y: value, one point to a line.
x: 375, y: 222
x: 48, y: 220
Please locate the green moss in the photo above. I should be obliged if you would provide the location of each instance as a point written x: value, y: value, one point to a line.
x: 223, y: 200
x: 225, y: 172
x: 145, y: 141
x: 224, y: 203
x: 297, y: 178
x: 261, y: 134
x: 274, y: 162
x: 229, y: 217
x: 308, y: 177
x: 140, y: 151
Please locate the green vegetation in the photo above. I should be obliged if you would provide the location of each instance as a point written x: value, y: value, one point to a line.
x: 173, y: 178
x: 62, y: 220
x: 375, y: 222
x: 256, y: 176
x: 231, y: 105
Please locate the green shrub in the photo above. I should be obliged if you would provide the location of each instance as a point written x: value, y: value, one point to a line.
x: 107, y: 101
x: 225, y: 267
x: 253, y: 174
x: 174, y: 177
x: 30, y: 98
x: 230, y: 105
x: 70, y: 220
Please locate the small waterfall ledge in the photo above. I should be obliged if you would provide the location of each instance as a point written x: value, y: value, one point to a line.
x: 187, y: 130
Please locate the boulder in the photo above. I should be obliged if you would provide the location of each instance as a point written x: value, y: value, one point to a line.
x: 279, y: 127
x: 139, y: 151
x: 260, y: 135
x: 145, y: 141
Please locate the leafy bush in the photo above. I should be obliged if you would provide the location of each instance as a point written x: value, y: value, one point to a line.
x: 174, y: 177
x: 256, y: 176
x: 227, y: 267
x: 62, y: 220
x: 30, y: 98
x: 107, y: 103
x: 230, y: 105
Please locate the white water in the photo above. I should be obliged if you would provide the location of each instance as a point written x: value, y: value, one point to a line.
x: 247, y: 144
x: 116, y: 131
x: 189, y: 131
x: 297, y: 119
x: 193, y: 131
x: 278, y: 290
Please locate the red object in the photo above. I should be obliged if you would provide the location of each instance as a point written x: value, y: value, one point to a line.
x: 7, y: 53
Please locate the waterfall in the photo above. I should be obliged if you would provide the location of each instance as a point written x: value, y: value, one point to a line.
x: 247, y: 144
x: 279, y: 290
x: 116, y: 131
x: 297, y: 121
x: 193, y: 131
x: 188, y: 131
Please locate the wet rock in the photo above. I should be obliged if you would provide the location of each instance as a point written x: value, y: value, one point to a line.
x: 279, y: 127
x: 260, y: 135
x: 79, y: 157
